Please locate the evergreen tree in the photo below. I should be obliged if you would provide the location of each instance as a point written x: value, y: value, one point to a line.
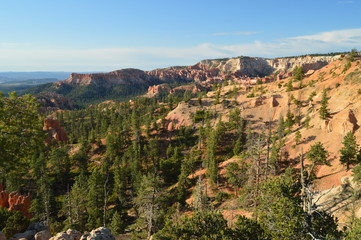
x: 318, y: 156
x: 298, y: 73
x: 350, y: 152
x: 324, y: 111
x: 117, y: 224
x: 212, y: 166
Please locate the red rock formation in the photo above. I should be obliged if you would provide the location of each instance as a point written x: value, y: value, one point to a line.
x: 16, y: 201
x: 156, y: 89
x: 20, y: 203
x: 4, y: 199
x: 56, y: 132
x: 52, y: 102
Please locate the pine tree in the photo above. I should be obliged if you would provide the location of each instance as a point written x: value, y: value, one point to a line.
x: 324, y: 111
x: 117, y: 224
x: 350, y: 152
x: 212, y: 166
x: 318, y: 156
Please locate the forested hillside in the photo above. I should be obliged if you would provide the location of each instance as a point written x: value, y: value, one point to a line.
x: 241, y: 159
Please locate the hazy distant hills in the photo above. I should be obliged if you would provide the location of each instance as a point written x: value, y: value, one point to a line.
x: 20, y: 81
x: 21, y: 76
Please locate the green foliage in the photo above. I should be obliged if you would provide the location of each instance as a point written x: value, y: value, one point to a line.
x: 279, y: 212
x: 353, y: 77
x: 236, y: 174
x: 312, y: 95
x: 289, y: 86
x: 350, y: 152
x: 346, y: 67
x: 298, y: 137
x: 357, y: 173
x: 354, y: 232
x: 15, y: 223
x: 83, y: 95
x: 203, y: 225
x: 170, y: 166
x: 247, y: 229
x: 201, y: 115
x: 324, y: 111
x: 318, y: 154
x: 20, y: 129
x: 117, y: 224
x: 298, y: 73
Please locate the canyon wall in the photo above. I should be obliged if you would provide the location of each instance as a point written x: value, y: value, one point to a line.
x: 202, y: 71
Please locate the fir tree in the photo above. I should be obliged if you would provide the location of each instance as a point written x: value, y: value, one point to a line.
x: 350, y: 152
x: 324, y: 111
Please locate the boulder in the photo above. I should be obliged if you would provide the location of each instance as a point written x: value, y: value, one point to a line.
x: 350, y: 125
x: 70, y: 234
x: 28, y: 234
x: 73, y: 234
x: 42, y: 235
x: 342, y: 123
x: 37, y: 227
x: 101, y: 233
x: 60, y: 236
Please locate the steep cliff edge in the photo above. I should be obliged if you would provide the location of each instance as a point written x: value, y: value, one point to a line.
x: 206, y: 69
x: 122, y: 85
x: 254, y: 67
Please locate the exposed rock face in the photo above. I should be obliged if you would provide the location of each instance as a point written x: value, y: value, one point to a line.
x: 157, y: 89
x: 206, y: 70
x: 42, y: 235
x: 254, y: 67
x: 308, y: 63
x: 124, y: 76
x: 101, y: 233
x: 28, y: 234
x: 56, y: 132
x: 343, y: 122
x: 70, y: 234
x: 273, y: 102
x: 16, y: 201
x: 248, y: 66
x: 52, y: 101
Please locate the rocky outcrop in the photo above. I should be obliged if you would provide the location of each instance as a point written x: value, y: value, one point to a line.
x: 248, y: 66
x: 253, y: 67
x: 307, y: 62
x: 273, y: 102
x: 70, y: 234
x: 157, y: 89
x: 35, y: 231
x: 101, y: 233
x: 206, y: 70
x: 42, y: 235
x: 16, y: 201
x: 124, y: 76
x: 55, y: 131
x: 28, y: 234
x: 51, y: 102
x: 343, y: 122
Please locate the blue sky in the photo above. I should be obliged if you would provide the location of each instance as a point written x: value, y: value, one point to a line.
x: 95, y: 35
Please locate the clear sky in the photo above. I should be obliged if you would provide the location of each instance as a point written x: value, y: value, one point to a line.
x: 105, y: 35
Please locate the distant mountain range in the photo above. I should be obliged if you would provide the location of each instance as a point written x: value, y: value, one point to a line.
x: 22, y: 76
x: 89, y: 88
